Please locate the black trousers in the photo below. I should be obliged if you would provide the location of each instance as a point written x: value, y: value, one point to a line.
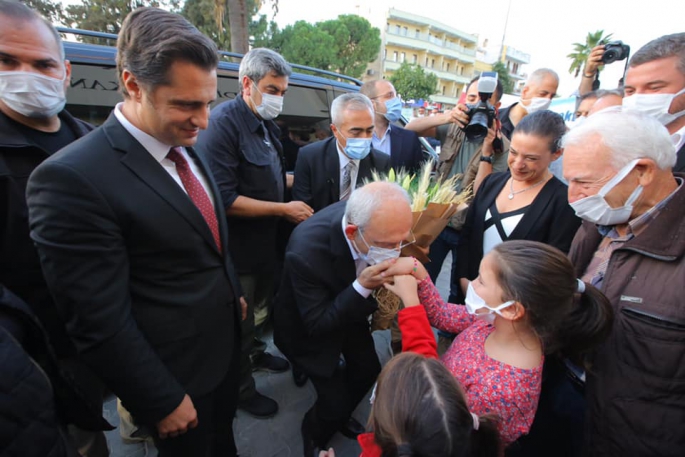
x: 339, y: 395
x: 213, y: 436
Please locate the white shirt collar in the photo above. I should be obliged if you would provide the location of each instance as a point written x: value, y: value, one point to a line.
x: 678, y: 138
x: 156, y: 148
x: 385, y: 135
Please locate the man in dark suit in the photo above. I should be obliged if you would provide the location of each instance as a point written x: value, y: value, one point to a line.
x: 333, y: 263
x: 128, y: 229
x: 322, y: 170
x: 403, y: 146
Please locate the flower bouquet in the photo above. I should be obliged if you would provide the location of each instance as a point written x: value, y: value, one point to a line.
x: 433, y: 203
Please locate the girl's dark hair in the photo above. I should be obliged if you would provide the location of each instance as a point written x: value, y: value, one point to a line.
x: 545, y: 124
x: 420, y: 410
x: 542, y: 279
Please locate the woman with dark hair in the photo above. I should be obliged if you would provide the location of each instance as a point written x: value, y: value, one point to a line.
x: 525, y: 304
x: 524, y: 203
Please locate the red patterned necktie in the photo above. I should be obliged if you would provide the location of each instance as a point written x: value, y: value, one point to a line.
x: 196, y: 192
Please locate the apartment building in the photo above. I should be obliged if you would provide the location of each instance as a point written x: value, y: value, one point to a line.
x: 438, y: 48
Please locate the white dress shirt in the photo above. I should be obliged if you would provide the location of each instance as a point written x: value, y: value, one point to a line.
x: 382, y: 144
x: 159, y: 151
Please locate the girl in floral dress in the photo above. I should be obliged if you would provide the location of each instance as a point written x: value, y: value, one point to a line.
x: 524, y: 304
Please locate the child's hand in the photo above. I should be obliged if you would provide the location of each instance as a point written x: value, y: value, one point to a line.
x: 405, y: 287
x: 407, y: 266
x: 328, y: 453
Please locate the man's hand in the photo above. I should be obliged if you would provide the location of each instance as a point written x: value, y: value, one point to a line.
x: 457, y: 115
x: 183, y: 418
x: 464, y: 283
x: 289, y: 180
x: 243, y: 308
x: 372, y: 277
x: 297, y: 211
x: 488, y: 150
x: 594, y: 61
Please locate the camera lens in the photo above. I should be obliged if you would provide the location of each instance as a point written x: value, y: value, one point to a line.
x: 610, y: 56
x: 478, y: 127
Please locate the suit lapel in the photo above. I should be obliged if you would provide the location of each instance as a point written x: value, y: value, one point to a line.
x: 332, y: 168
x: 365, y: 166
x: 343, y: 264
x: 395, y: 147
x: 148, y: 170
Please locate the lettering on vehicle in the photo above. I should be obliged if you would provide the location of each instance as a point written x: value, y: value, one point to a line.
x: 631, y: 299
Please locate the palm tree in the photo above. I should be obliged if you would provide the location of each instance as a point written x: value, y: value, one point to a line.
x: 581, y: 51
x: 239, y: 16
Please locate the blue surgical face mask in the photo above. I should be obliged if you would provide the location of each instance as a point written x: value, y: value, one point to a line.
x: 393, y: 109
x: 356, y: 148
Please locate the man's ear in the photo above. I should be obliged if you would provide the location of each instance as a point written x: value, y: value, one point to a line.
x: 135, y: 91
x: 67, y: 77
x: 351, y: 231
x: 646, y: 171
x: 246, y: 84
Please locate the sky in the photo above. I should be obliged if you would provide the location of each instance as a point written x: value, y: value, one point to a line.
x: 544, y: 29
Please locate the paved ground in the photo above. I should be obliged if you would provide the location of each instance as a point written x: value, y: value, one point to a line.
x: 280, y: 435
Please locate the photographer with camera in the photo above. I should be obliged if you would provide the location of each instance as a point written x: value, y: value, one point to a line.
x: 471, y: 146
x: 602, y: 54
x: 655, y: 86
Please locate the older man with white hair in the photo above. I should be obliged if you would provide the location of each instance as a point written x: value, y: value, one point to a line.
x: 333, y: 263
x: 631, y: 245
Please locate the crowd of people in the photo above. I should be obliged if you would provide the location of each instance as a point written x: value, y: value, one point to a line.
x: 147, y: 257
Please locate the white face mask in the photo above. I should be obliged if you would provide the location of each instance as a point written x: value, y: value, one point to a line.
x: 271, y: 105
x: 32, y: 94
x: 654, y: 105
x: 376, y: 255
x: 474, y: 302
x: 576, y: 122
x: 537, y: 104
x: 596, y: 209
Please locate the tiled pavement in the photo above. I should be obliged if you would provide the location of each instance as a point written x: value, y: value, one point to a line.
x: 280, y: 435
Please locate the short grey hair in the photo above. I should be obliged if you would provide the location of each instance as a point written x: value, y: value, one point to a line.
x: 353, y: 101
x: 366, y: 200
x: 261, y: 62
x: 604, y: 92
x: 538, y: 75
x: 22, y: 13
x: 662, y: 48
x: 628, y: 135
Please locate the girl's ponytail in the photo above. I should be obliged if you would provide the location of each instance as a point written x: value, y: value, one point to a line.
x: 485, y: 439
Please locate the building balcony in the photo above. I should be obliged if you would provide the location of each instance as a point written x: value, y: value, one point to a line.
x: 432, y: 44
x: 517, y: 56
x: 421, y: 21
x: 391, y: 65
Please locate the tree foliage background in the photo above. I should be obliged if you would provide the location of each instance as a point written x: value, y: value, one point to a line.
x: 345, y: 44
x: 413, y: 83
x: 581, y: 51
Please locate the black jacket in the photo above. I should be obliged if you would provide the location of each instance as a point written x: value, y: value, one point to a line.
x: 151, y: 303
x: 36, y: 399
x: 550, y: 219
x: 317, y: 172
x: 405, y: 150
x: 317, y: 310
x: 19, y: 265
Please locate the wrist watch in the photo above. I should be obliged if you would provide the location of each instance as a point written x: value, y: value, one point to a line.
x: 486, y: 159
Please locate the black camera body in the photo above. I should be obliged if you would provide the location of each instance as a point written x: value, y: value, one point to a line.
x: 615, y: 51
x: 482, y: 114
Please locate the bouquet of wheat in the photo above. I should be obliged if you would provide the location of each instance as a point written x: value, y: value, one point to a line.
x: 433, y: 203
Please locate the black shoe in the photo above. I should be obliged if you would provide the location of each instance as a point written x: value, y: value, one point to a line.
x: 271, y: 363
x: 352, y: 429
x: 300, y: 377
x: 259, y: 406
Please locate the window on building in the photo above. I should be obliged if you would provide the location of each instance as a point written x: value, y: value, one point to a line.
x: 461, y: 70
x: 385, y: 53
x: 443, y: 90
x: 448, y: 67
x: 432, y: 63
x: 415, y: 58
x: 405, y: 31
x: 426, y: 61
x: 394, y: 56
x: 418, y: 33
x: 402, y: 57
x: 397, y: 29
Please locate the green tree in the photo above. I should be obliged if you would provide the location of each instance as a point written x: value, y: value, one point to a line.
x: 46, y: 8
x: 107, y: 15
x: 357, y: 43
x: 306, y: 44
x: 581, y: 51
x: 504, y: 77
x: 412, y: 83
